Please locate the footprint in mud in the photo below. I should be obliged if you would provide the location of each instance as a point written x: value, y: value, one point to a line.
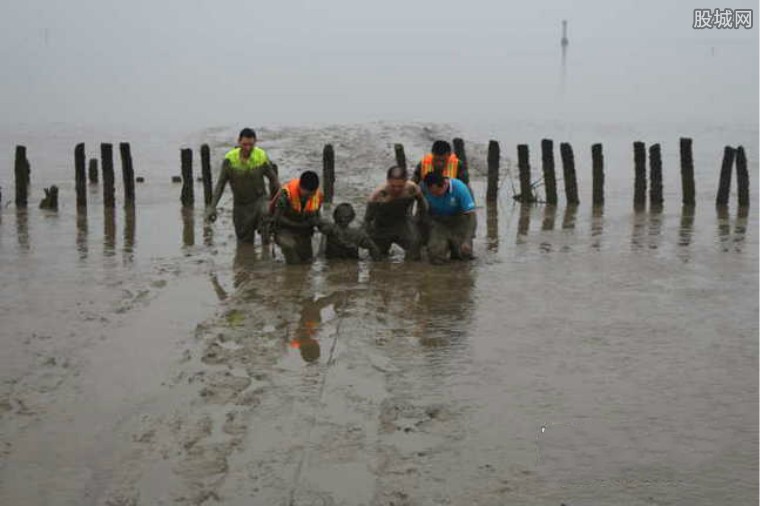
x: 399, y: 416
x: 223, y: 387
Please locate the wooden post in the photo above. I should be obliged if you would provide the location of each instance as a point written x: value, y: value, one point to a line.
x: 568, y: 168
x: 523, y: 164
x: 208, y: 191
x: 51, y: 199
x: 494, y: 155
x: 106, y: 163
x: 459, y: 150
x: 597, y: 163
x: 328, y: 172
x: 492, y: 226
x: 547, y: 162
x: 687, y: 173
x: 21, y: 173
x: 400, y: 156
x: 128, y: 174
x: 188, y: 194
x: 655, y: 176
x: 724, y: 186
x: 92, y: 171
x: 109, y: 228
x: 80, y: 176
x: 640, y: 181
x: 742, y: 177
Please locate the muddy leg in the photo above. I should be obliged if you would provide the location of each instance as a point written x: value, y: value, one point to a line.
x: 438, y: 243
x: 287, y: 243
x: 409, y: 239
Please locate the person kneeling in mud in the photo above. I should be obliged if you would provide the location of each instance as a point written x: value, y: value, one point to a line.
x: 342, y: 240
x: 388, y: 218
x: 452, y: 218
x: 296, y: 213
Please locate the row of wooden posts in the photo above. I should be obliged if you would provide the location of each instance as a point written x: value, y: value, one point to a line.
x: 732, y: 156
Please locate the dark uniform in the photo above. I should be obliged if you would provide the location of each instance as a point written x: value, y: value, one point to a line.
x: 344, y: 241
x: 294, y: 221
x: 389, y: 220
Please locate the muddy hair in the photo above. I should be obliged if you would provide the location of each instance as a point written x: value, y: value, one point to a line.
x: 397, y: 172
x: 309, y: 180
x: 247, y: 133
x: 441, y: 148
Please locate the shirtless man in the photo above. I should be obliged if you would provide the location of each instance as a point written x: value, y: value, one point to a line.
x: 388, y: 218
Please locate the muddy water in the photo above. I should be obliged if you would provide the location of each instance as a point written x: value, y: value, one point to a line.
x: 585, y: 357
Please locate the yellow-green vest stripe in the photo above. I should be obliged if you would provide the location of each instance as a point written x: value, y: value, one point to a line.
x: 257, y: 159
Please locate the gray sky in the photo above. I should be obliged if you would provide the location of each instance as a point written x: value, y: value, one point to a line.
x: 202, y: 63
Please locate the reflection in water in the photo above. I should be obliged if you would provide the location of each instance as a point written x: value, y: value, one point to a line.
x: 639, y: 225
x: 109, y: 231
x: 655, y: 225
x: 724, y: 227
x: 568, y: 220
x: 22, y: 228
x: 523, y: 224
x: 188, y: 227
x: 492, y: 226
x: 304, y: 337
x: 597, y: 226
x: 685, y: 231
x: 82, y: 232
x: 740, y: 229
x: 129, y: 233
x: 550, y: 214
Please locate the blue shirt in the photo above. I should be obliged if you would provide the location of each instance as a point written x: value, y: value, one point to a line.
x: 456, y: 200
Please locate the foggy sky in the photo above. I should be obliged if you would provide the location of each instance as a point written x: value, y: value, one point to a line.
x: 202, y: 63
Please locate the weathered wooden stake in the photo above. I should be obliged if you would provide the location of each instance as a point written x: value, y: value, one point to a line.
x: 51, y: 199
x: 568, y: 168
x: 655, y: 176
x: 21, y: 173
x: 492, y: 226
x: 547, y: 165
x: 188, y: 193
x: 640, y: 169
x: 128, y: 174
x: 687, y: 173
x: 106, y: 163
x: 724, y: 186
x: 206, y: 174
x: 92, y: 171
x: 400, y: 156
x: 597, y: 164
x: 459, y: 150
x: 523, y: 164
x: 80, y: 176
x: 328, y: 172
x: 494, y: 155
x: 742, y: 177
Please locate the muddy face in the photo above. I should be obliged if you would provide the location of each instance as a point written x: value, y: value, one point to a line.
x: 343, y: 215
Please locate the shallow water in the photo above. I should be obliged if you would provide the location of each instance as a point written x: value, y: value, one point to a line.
x: 585, y: 356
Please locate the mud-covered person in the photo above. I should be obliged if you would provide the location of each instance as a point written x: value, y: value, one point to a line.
x: 343, y: 241
x: 388, y: 219
x: 245, y: 168
x: 295, y: 215
x: 452, y: 218
x: 444, y: 162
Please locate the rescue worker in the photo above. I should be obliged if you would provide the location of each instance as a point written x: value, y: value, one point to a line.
x: 452, y: 218
x: 388, y: 218
x: 443, y: 161
x: 296, y: 213
x: 245, y: 168
x: 342, y: 240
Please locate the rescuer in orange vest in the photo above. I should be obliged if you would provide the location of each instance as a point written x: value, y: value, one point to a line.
x: 296, y: 213
x: 443, y: 161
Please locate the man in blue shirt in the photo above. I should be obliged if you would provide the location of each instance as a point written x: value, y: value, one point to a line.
x: 453, y: 220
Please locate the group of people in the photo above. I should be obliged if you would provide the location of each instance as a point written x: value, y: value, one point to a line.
x: 432, y: 209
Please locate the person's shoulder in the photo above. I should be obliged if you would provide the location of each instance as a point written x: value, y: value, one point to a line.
x: 230, y: 153
x: 458, y: 185
x: 379, y: 194
x: 412, y: 188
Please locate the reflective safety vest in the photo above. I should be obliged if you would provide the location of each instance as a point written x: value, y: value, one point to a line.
x: 293, y: 191
x: 256, y: 159
x: 451, y: 170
